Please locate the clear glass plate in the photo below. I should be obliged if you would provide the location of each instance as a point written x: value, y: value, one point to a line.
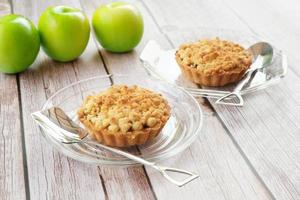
x: 161, y: 63
x: 180, y: 131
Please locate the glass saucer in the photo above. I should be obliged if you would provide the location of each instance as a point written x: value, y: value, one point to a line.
x: 180, y: 131
x: 161, y: 63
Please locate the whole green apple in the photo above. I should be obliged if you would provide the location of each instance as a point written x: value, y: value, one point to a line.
x: 19, y: 43
x: 64, y: 32
x: 118, y: 26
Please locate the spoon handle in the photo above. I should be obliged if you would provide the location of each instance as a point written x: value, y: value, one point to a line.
x: 119, y: 152
x: 236, y: 92
x: 57, y: 124
x: 249, y: 76
x: 162, y: 169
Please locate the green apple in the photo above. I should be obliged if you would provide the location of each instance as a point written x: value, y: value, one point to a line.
x: 118, y: 26
x: 64, y: 32
x: 19, y: 43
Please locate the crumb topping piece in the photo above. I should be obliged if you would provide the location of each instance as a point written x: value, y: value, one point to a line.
x: 124, y: 109
x: 214, y: 56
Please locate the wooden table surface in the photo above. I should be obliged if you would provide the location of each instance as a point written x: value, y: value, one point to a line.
x: 251, y: 152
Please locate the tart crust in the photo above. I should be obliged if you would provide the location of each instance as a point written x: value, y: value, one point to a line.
x: 120, y: 139
x: 93, y: 105
x: 213, y: 62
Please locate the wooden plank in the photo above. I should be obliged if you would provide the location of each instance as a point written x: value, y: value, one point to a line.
x: 269, y: 140
x: 12, y: 180
x: 224, y: 173
x: 281, y: 129
x: 51, y: 174
x: 4, y: 7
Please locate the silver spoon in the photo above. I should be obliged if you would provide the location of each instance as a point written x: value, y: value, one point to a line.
x: 67, y: 131
x: 262, y: 53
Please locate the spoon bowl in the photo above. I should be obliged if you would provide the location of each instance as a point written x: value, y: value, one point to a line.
x: 262, y: 51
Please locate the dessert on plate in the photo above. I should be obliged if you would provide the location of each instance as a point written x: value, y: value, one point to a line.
x: 213, y: 62
x: 124, y: 115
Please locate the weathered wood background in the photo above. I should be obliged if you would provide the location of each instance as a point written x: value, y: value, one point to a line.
x: 242, y: 153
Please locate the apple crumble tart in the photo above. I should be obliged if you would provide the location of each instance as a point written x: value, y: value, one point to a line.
x: 124, y: 115
x: 213, y: 62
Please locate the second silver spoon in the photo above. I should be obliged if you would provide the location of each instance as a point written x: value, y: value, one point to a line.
x: 262, y: 53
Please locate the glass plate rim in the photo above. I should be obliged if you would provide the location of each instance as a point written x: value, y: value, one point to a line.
x: 164, y: 155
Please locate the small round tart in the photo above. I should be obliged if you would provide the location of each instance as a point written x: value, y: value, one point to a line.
x: 124, y: 115
x: 213, y: 62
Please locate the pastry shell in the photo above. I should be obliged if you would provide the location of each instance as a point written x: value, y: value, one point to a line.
x: 214, y: 80
x: 213, y: 62
x: 120, y: 139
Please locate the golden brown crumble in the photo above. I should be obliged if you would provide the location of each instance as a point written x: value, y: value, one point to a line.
x: 124, y: 109
x: 214, y: 56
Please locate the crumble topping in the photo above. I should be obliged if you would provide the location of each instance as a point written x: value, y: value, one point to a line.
x: 124, y: 109
x: 214, y: 56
